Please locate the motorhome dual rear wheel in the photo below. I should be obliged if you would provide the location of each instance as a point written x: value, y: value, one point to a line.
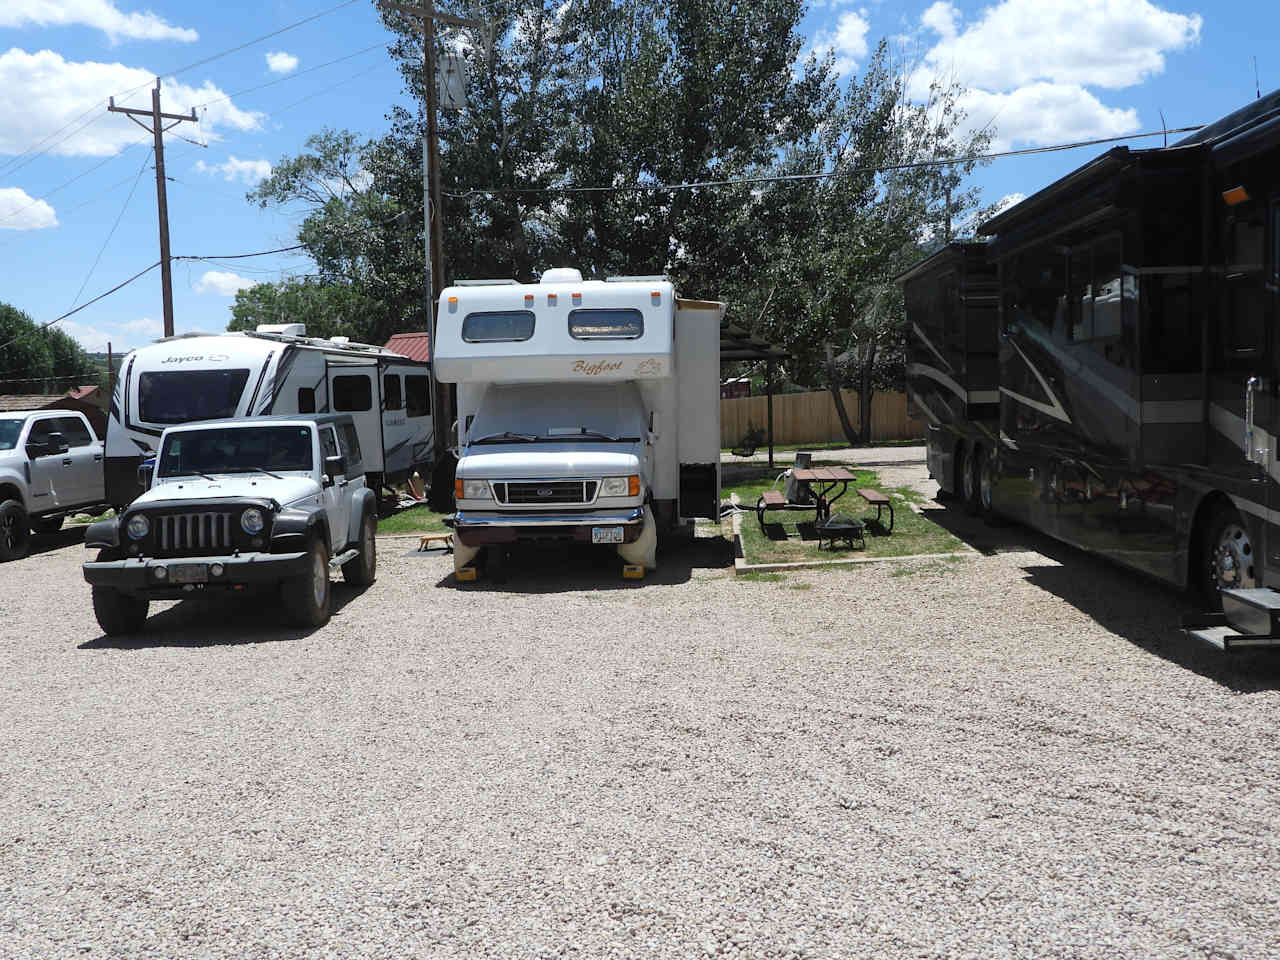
x: 306, y: 598
x: 15, y: 534
x: 1228, y: 555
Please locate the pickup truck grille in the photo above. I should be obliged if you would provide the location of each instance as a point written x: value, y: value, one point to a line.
x: 211, y: 532
x: 545, y: 491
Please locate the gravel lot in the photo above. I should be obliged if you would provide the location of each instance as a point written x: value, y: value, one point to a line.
x: 1012, y: 755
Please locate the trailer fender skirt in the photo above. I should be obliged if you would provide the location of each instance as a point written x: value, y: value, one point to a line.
x: 644, y: 550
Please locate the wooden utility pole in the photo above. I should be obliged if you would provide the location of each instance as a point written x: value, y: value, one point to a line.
x: 162, y: 197
x: 424, y: 18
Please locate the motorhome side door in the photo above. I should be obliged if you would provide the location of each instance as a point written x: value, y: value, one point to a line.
x: 354, y: 389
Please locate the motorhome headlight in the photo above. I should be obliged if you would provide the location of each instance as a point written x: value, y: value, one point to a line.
x: 251, y: 521
x: 620, y: 486
x: 139, y: 526
x: 475, y: 490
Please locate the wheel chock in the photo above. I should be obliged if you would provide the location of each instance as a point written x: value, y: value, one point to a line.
x: 633, y: 571
x: 465, y: 574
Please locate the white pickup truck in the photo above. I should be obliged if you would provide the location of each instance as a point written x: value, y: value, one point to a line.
x: 50, y: 465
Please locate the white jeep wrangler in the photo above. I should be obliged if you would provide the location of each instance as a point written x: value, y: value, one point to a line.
x: 237, y: 504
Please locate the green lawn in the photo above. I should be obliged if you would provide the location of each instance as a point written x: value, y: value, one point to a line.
x: 414, y: 520
x: 789, y: 536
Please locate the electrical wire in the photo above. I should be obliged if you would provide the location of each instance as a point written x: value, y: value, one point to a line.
x: 112, y: 232
x: 292, y: 76
x: 802, y: 177
x: 78, y: 176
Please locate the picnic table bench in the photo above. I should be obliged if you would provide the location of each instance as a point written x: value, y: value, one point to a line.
x: 879, y: 501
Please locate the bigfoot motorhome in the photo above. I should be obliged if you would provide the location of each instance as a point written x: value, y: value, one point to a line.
x: 588, y: 410
x: 276, y: 369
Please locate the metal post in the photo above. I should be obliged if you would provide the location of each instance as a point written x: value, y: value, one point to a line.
x: 768, y: 389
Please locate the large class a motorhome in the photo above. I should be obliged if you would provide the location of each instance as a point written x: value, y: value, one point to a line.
x: 588, y: 410
x: 275, y: 369
x: 1137, y: 384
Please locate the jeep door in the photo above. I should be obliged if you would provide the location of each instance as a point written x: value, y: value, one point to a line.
x: 334, y: 495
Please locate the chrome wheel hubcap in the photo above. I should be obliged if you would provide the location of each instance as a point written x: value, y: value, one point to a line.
x: 987, y: 481
x: 1233, y: 565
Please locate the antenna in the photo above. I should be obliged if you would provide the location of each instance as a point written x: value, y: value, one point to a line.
x: 1164, y: 126
x: 1257, y: 85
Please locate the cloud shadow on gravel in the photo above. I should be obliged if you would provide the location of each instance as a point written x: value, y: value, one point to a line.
x: 571, y: 568
x: 219, y: 621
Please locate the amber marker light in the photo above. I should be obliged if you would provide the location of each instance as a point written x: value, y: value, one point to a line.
x: 1235, y: 196
x: 457, y: 488
x: 633, y: 486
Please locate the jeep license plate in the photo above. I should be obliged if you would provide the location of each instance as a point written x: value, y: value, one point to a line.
x: 189, y: 573
x: 606, y: 534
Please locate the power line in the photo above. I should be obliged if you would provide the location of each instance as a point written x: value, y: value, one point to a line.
x: 71, y: 376
x: 292, y: 76
x: 111, y: 233
x: 801, y: 177
x: 67, y: 183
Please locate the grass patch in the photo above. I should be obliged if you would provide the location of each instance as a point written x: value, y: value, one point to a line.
x: 418, y: 519
x: 802, y: 586
x: 912, y: 533
x: 760, y: 577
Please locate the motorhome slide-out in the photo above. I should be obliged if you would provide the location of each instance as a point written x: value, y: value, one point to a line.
x: 1104, y: 367
x: 587, y: 410
x: 273, y: 370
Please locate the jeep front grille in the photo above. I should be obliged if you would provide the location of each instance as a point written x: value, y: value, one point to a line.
x: 534, y: 492
x: 194, y: 532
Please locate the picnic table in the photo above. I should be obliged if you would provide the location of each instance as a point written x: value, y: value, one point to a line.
x: 820, y: 481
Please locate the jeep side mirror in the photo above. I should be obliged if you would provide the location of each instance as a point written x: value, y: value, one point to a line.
x: 334, y: 467
x: 146, y: 469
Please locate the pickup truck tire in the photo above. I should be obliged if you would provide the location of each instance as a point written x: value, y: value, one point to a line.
x: 15, y: 532
x: 119, y: 613
x: 306, y: 598
x: 46, y: 524
x: 363, y: 569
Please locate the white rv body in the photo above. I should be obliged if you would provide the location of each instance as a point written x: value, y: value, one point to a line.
x: 274, y: 370
x: 591, y: 380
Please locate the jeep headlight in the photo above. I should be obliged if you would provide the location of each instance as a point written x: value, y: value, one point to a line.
x: 475, y: 490
x: 620, y: 486
x: 251, y: 521
x: 139, y: 526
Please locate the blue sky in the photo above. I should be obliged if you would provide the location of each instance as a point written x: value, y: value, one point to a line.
x: 1045, y: 70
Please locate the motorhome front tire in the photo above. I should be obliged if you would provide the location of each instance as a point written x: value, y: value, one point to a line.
x: 119, y: 612
x: 306, y: 597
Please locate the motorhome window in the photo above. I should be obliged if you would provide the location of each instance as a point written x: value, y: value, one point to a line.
x: 606, y: 324
x: 1275, y: 241
x: 1080, y: 297
x: 9, y: 430
x: 306, y: 400
x: 391, y: 392
x: 328, y: 443
x: 182, y: 396
x: 74, y: 431
x: 498, y: 326
x: 1244, y: 329
x: 352, y: 394
x: 235, y: 450
x: 417, y: 396
x: 350, y: 441
x: 1171, y: 331
x: 1113, y: 292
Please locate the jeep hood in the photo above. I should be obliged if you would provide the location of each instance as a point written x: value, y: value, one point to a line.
x: 286, y: 490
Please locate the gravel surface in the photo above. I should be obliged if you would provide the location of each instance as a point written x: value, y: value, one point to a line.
x: 1010, y: 755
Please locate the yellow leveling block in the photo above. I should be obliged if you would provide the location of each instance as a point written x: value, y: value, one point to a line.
x: 466, y: 574
x: 633, y: 571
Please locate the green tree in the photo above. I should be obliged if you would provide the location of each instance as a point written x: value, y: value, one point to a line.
x: 36, y: 359
x: 327, y: 309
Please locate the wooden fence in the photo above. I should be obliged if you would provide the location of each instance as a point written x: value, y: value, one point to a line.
x: 812, y: 418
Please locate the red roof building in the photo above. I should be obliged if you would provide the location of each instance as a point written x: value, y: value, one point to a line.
x: 415, y: 346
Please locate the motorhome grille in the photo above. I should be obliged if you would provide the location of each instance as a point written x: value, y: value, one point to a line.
x: 545, y: 491
x: 194, y: 531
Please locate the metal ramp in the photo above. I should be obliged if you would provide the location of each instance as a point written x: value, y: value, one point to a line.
x: 1250, y: 620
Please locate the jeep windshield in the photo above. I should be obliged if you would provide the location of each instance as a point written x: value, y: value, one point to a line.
x: 224, y: 450
x: 10, y: 427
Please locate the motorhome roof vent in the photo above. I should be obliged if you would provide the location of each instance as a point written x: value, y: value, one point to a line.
x: 562, y: 275
x: 284, y: 329
x: 484, y: 283
x: 341, y: 341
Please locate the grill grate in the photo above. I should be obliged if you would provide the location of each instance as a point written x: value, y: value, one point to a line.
x: 194, y: 531
x: 545, y: 491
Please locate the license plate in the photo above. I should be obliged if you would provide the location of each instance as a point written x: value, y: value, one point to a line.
x: 606, y: 534
x: 189, y: 573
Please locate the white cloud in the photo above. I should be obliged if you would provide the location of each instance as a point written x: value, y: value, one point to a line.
x: 942, y: 18
x: 18, y: 211
x: 221, y: 282
x: 122, y: 336
x: 100, y: 14
x: 246, y: 171
x: 1043, y: 113
x: 142, y: 325
x: 848, y: 41
x: 41, y: 92
x: 280, y: 62
x: 1112, y: 44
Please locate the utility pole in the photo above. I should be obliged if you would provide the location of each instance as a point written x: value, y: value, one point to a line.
x: 424, y: 19
x: 162, y: 198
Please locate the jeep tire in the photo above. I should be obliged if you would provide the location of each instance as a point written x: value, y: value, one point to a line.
x: 363, y: 569
x: 15, y: 531
x: 117, y: 612
x: 306, y: 597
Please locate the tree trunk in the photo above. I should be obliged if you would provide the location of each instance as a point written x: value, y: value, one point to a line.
x: 837, y: 398
x: 865, y: 392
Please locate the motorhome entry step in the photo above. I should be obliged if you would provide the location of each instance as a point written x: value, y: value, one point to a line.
x: 1218, y: 631
x: 1254, y: 611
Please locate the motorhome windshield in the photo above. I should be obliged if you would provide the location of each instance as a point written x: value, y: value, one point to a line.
x: 10, y: 427
x: 180, y: 396
x: 236, y: 450
x: 560, y: 413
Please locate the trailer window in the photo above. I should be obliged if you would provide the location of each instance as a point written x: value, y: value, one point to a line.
x: 606, y: 324
x: 391, y: 392
x: 306, y: 400
x: 499, y: 326
x: 417, y: 395
x: 352, y: 394
x: 183, y: 396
